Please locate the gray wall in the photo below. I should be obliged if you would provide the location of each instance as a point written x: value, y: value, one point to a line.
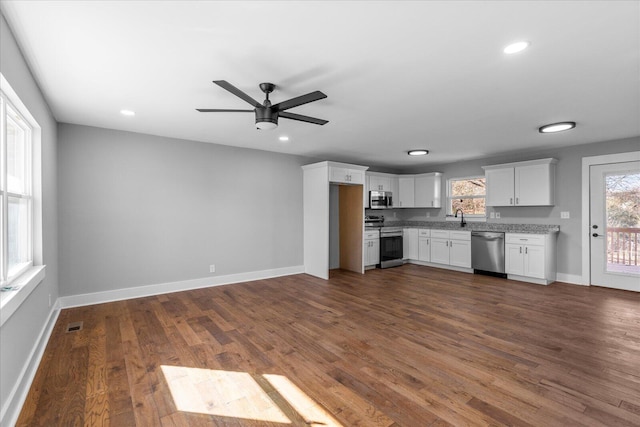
x: 138, y: 210
x: 19, y: 333
x: 568, y: 195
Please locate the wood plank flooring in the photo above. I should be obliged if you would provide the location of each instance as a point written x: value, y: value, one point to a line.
x: 408, y: 346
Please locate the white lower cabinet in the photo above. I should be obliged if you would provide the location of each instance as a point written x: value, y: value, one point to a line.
x: 460, y: 253
x: 530, y: 257
x: 371, y: 248
x: 410, y: 243
x: 440, y: 250
x: 424, y: 245
x: 451, y: 248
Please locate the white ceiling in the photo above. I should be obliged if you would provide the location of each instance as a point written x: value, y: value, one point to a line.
x: 398, y: 75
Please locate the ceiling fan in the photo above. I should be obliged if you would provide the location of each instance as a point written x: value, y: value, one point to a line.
x: 267, y: 114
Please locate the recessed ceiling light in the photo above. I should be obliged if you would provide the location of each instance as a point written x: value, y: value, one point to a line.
x: 127, y: 113
x: 417, y: 152
x: 284, y: 138
x: 556, y: 127
x: 516, y: 47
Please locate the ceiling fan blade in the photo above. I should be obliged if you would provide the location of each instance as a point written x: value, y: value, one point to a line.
x: 301, y: 118
x: 299, y: 100
x: 237, y: 92
x: 218, y: 110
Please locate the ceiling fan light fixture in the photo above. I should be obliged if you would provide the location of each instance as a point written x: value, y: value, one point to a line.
x: 421, y: 152
x: 266, y: 119
x: 266, y: 125
x: 556, y: 127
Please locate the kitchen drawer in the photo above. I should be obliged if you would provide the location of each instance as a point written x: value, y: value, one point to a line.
x: 460, y: 235
x: 371, y: 235
x: 440, y: 234
x: 424, y: 232
x: 524, y: 239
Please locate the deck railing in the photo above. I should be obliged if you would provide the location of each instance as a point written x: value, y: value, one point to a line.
x: 622, y: 245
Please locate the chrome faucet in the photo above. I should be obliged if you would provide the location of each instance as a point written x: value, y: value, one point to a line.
x: 462, y: 222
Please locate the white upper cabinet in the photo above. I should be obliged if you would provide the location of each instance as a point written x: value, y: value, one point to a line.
x: 529, y: 183
x: 379, y: 183
x: 502, y: 188
x: 427, y: 190
x: 406, y: 192
x: 346, y: 175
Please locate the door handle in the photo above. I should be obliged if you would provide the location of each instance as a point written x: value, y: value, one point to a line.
x: 594, y: 226
x: 595, y: 235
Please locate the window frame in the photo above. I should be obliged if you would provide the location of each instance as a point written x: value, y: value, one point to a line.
x: 18, y: 287
x: 8, y: 110
x: 472, y: 217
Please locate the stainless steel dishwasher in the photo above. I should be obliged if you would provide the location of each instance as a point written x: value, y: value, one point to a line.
x: 487, y: 252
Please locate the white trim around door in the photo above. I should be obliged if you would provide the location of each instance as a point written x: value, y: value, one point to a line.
x: 587, y: 162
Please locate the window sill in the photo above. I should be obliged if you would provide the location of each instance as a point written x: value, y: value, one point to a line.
x: 11, y: 300
x: 467, y: 219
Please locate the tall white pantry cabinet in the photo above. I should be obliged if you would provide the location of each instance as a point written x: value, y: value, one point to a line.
x: 317, y: 179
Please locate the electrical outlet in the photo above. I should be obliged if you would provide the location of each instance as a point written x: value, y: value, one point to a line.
x: 212, y: 268
x: 497, y: 214
x: 492, y: 215
x: 564, y: 215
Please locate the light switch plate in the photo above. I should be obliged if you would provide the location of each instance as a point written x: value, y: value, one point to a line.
x: 564, y: 215
x: 492, y: 215
x: 497, y: 214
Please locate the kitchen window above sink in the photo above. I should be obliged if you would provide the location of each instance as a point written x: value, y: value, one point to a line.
x: 466, y: 194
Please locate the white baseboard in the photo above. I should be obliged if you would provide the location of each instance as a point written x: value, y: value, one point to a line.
x: 574, y: 279
x: 13, y: 405
x: 443, y: 266
x: 165, y: 288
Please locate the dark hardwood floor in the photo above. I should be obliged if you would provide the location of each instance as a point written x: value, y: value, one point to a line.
x: 408, y: 346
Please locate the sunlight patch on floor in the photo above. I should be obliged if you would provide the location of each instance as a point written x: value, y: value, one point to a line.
x: 313, y: 413
x: 221, y: 393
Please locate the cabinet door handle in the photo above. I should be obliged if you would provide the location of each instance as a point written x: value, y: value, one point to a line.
x: 520, y: 249
x: 517, y: 201
x: 526, y: 250
x: 510, y: 200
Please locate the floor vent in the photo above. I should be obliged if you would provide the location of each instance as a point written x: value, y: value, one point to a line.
x: 74, y: 326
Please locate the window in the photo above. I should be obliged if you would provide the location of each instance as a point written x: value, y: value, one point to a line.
x: 467, y: 194
x: 16, y: 201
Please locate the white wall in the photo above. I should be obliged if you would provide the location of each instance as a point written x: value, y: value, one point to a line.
x: 141, y: 210
x: 568, y: 195
x: 19, y: 334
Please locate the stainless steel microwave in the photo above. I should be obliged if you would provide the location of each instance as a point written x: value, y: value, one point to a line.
x: 380, y: 199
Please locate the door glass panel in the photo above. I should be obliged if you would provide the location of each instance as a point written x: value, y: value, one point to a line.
x: 622, y: 191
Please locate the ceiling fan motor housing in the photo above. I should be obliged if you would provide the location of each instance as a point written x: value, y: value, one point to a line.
x: 266, y: 114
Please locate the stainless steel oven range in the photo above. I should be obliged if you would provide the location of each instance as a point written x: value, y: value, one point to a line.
x: 390, y: 247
